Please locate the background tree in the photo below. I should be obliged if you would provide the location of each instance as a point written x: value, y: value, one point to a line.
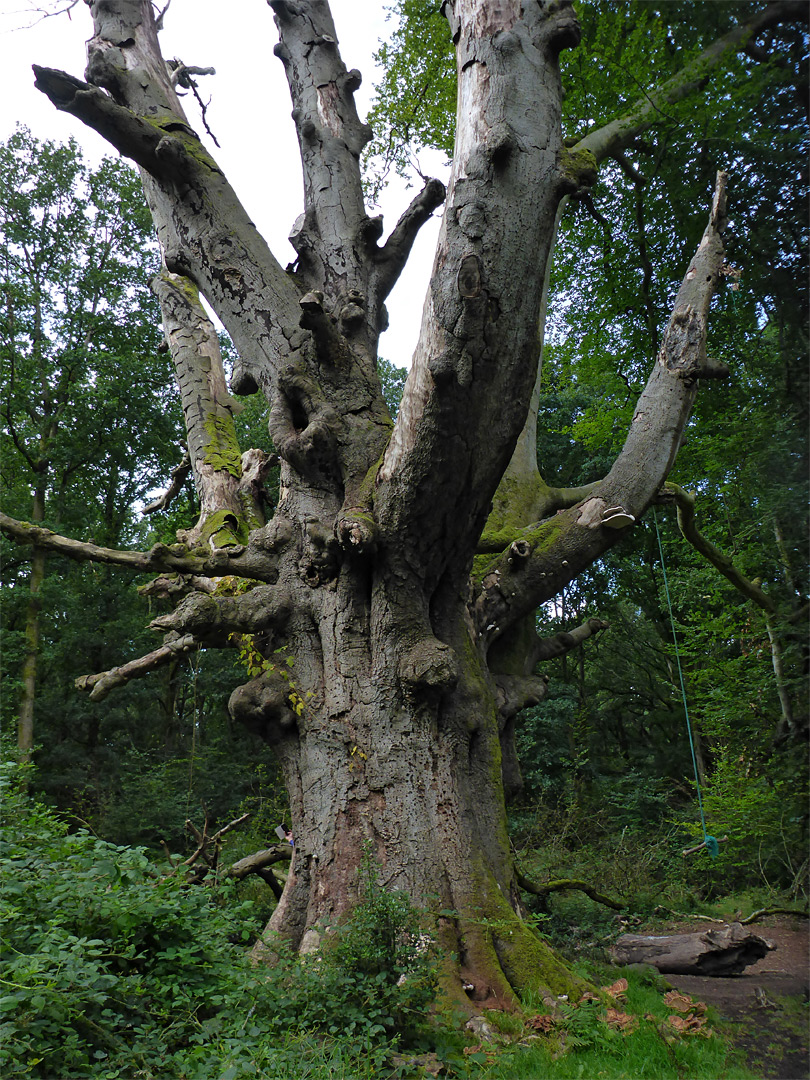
x: 386, y: 677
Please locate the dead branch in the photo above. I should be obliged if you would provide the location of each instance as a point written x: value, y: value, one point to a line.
x: 764, y: 912
x: 178, y: 476
x: 685, y: 503
x: 204, y: 843
x: 394, y: 254
x: 106, y: 681
x: 564, y: 884
x: 176, y: 559
x: 565, y: 641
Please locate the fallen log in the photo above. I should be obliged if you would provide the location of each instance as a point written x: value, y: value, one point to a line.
x: 720, y: 951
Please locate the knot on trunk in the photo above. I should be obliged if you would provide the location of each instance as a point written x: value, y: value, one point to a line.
x: 321, y: 556
x: 275, y: 536
x: 562, y: 29
x: 303, y: 426
x: 263, y: 706
x: 356, y: 530
x: 516, y: 692
x: 683, y: 351
x: 428, y: 668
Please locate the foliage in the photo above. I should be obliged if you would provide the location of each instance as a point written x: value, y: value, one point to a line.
x: 109, y: 965
x: 106, y: 963
x: 393, y: 383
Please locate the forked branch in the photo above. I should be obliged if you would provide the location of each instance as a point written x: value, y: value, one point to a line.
x: 548, y: 555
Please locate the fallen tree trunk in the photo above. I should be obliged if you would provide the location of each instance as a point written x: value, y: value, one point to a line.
x: 723, y: 951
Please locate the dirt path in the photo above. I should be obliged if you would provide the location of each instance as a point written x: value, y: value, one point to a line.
x: 765, y: 1008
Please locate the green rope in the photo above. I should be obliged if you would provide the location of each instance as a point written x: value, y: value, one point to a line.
x: 710, y: 841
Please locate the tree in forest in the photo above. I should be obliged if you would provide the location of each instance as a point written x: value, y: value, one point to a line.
x: 78, y: 341
x: 386, y: 609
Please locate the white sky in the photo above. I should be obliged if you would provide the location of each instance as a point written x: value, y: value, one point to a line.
x: 249, y: 113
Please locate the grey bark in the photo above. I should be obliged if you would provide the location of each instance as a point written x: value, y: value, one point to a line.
x: 376, y: 690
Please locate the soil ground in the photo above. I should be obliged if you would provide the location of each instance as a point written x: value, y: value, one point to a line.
x: 765, y: 1009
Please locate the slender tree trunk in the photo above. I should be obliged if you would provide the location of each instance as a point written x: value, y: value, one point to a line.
x: 25, y: 725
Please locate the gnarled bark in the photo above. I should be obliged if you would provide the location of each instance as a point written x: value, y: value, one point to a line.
x: 385, y: 686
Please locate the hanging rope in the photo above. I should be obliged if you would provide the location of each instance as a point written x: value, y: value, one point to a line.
x: 709, y: 842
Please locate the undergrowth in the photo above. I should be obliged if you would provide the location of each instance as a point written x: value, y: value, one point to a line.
x: 110, y: 969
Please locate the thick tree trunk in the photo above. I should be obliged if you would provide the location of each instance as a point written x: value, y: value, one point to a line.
x: 411, y: 773
x: 388, y: 682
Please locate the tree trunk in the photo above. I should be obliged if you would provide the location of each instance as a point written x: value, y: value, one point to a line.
x: 386, y: 677
x: 25, y: 724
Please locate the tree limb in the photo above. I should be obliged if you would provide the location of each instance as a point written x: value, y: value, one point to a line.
x: 250, y: 562
x: 610, y: 139
x: 560, y: 547
x: 685, y: 503
x: 564, y: 884
x: 565, y: 641
x: 106, y: 681
x: 178, y: 476
x: 203, y: 228
x: 214, y: 617
x: 393, y: 256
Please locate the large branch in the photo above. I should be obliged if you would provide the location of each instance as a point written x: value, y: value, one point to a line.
x: 551, y: 553
x: 467, y: 394
x: 522, y: 477
x: 612, y: 138
x: 105, y: 682
x: 213, y: 618
x: 228, y: 508
x: 250, y: 562
x: 685, y: 503
x: 203, y: 228
x: 331, y: 138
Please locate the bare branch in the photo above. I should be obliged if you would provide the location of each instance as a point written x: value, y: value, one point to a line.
x: 178, y: 476
x: 394, y: 254
x: 142, y: 117
x: 560, y: 547
x: 331, y: 138
x: 564, y: 885
x: 565, y: 641
x: 685, y: 503
x: 104, y: 683
x: 250, y: 562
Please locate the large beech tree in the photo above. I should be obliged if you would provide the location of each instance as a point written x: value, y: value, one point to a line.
x: 387, y: 605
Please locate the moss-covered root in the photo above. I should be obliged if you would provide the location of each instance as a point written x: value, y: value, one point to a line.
x: 493, y: 961
x: 530, y: 965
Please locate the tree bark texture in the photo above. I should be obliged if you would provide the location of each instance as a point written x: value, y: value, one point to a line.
x: 385, y: 684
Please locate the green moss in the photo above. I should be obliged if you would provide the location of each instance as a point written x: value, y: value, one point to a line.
x: 517, y: 503
x: 252, y: 520
x: 365, y: 492
x: 527, y: 961
x: 578, y: 167
x: 224, y: 529
x: 222, y: 452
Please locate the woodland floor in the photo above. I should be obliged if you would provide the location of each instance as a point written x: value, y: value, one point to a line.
x: 765, y: 1010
